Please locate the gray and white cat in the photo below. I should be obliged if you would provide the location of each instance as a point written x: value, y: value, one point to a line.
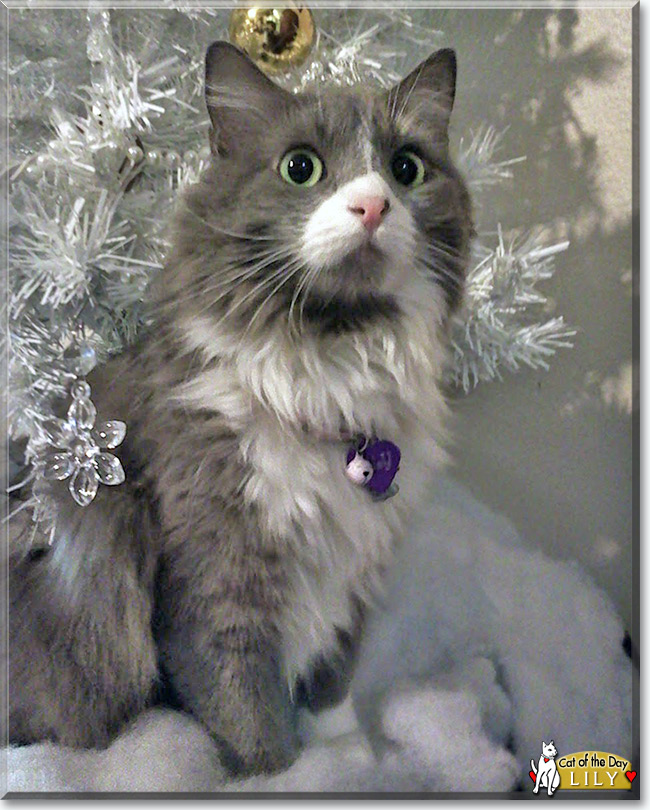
x: 314, y: 268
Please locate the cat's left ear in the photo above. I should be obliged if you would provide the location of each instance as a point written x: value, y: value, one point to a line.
x: 241, y: 100
x: 429, y: 89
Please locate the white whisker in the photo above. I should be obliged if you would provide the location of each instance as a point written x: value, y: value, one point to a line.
x: 298, y: 266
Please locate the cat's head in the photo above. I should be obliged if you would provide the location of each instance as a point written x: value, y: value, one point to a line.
x: 549, y: 749
x: 324, y: 208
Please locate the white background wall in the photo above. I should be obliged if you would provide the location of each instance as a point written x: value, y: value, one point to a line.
x: 554, y: 451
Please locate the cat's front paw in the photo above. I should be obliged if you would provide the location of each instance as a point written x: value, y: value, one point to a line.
x: 328, y: 680
x: 325, y: 686
x: 267, y: 754
x: 259, y: 735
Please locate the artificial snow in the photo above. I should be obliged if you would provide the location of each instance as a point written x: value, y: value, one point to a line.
x: 481, y: 650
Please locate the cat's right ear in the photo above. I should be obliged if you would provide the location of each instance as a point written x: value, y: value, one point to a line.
x: 428, y: 90
x: 240, y: 98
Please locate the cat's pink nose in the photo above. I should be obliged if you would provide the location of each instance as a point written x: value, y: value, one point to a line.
x: 371, y: 209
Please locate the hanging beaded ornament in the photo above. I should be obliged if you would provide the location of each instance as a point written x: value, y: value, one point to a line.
x: 80, y: 447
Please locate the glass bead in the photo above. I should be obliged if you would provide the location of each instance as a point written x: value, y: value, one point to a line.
x: 58, y: 466
x: 109, y: 434
x: 84, y: 449
x: 83, y: 485
x: 57, y: 432
x: 82, y: 412
x: 80, y: 390
x: 109, y: 469
x: 87, y: 360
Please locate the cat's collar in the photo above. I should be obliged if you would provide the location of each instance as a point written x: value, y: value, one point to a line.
x: 324, y: 435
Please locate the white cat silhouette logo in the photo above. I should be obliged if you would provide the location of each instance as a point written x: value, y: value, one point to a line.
x: 545, y: 774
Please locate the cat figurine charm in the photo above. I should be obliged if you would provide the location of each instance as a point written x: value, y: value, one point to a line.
x: 313, y: 270
x: 374, y: 464
x: 357, y: 468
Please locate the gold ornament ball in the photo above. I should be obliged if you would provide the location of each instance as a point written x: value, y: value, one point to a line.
x: 276, y: 39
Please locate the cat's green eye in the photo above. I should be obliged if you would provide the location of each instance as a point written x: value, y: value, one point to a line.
x: 408, y: 168
x: 301, y: 167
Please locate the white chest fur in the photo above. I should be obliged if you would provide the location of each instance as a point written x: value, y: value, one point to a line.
x: 335, y: 534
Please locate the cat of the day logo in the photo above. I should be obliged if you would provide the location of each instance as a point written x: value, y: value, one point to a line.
x: 585, y: 770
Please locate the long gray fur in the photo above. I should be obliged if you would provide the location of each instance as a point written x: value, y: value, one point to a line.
x: 173, y: 579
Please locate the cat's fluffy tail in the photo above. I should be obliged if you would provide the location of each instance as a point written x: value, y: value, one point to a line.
x: 533, y: 766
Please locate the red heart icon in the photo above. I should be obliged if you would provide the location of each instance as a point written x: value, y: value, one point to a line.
x: 631, y: 775
x: 532, y: 775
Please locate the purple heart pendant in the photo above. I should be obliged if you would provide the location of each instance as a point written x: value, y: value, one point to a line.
x: 374, y: 464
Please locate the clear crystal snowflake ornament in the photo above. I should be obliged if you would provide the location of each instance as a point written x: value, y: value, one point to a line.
x: 81, y: 446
